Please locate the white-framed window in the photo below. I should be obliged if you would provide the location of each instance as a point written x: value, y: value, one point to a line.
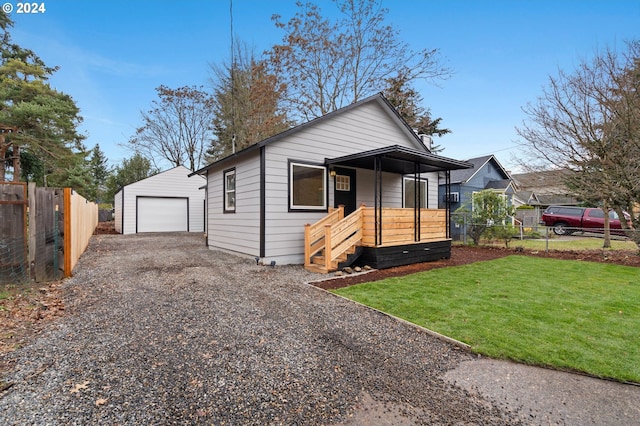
x: 343, y: 183
x: 229, y: 189
x: 409, y: 184
x: 307, y: 186
x: 452, y: 197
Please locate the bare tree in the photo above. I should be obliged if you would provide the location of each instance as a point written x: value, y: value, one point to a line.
x: 177, y: 129
x: 587, y: 122
x: 326, y: 65
x: 246, y: 103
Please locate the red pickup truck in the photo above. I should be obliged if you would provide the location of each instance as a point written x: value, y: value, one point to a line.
x: 566, y: 220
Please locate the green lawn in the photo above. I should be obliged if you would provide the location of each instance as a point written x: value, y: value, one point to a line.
x: 565, y: 314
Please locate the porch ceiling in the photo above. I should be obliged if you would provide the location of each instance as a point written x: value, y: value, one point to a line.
x: 399, y: 159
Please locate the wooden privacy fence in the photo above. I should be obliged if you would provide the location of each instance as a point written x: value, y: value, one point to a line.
x: 80, y: 225
x: 47, y: 243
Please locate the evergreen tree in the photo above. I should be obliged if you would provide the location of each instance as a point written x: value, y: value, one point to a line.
x: 99, y: 169
x: 131, y: 170
x: 33, y: 116
x: 407, y: 101
x: 32, y: 167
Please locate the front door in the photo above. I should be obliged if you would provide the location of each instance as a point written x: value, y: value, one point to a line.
x: 344, y: 189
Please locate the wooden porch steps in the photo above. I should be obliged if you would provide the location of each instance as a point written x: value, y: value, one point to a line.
x: 318, y: 261
x: 319, y: 269
x: 398, y: 235
x: 333, y: 241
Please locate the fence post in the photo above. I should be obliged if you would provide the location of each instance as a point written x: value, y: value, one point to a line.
x: 56, y: 239
x: 327, y: 247
x: 307, y: 244
x: 32, y: 229
x: 547, y: 240
x: 464, y: 229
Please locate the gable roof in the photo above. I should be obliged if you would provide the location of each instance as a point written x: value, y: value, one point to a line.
x: 502, y: 184
x: 175, y: 169
x: 465, y: 175
x: 526, y: 197
x: 378, y: 97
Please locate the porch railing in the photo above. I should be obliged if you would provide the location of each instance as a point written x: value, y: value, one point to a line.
x: 398, y: 226
x: 336, y: 234
x: 314, y: 234
x: 342, y: 236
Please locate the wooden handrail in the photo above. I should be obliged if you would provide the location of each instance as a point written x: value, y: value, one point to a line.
x: 335, y: 237
x: 314, y: 235
x: 341, y: 236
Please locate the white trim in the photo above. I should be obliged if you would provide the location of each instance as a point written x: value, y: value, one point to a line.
x: 323, y: 205
x: 343, y: 183
x: 508, y: 176
x: 454, y: 197
x: 425, y: 195
x: 227, y: 192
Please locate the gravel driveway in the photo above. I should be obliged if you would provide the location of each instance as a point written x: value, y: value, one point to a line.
x: 161, y: 330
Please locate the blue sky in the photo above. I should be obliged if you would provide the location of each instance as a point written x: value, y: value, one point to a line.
x: 113, y: 54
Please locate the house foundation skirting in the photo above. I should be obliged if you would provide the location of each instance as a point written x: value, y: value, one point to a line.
x: 406, y: 254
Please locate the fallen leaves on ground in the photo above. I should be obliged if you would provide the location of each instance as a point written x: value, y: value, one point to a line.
x: 78, y: 387
x: 25, y: 311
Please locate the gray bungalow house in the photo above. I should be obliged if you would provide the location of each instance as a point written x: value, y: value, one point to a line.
x: 486, y: 173
x: 357, y: 183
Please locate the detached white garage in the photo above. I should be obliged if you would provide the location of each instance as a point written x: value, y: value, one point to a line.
x: 167, y: 202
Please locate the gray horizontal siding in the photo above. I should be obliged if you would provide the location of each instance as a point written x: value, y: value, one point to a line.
x: 432, y: 190
x: 391, y: 189
x: 369, y: 126
x: 239, y: 231
x: 361, y: 129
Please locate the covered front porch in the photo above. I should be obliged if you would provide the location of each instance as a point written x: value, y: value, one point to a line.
x: 378, y: 236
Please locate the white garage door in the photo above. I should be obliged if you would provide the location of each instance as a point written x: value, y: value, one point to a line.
x: 162, y: 214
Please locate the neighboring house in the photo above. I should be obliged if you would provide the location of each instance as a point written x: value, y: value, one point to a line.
x: 487, y: 173
x: 541, y: 190
x: 170, y: 201
x: 261, y: 198
x: 525, y: 198
x: 544, y: 188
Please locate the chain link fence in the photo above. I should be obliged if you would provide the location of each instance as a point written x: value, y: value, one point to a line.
x: 525, y: 227
x: 463, y: 228
x: 14, y: 267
